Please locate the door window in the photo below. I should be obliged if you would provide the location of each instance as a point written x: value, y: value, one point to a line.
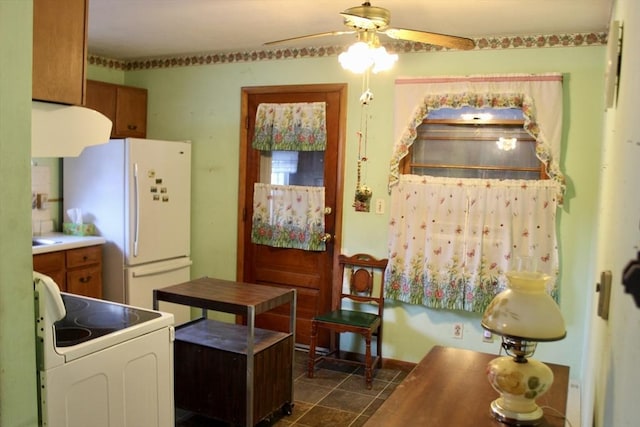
x: 304, y: 168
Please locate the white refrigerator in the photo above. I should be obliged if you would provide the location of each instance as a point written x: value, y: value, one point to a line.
x: 137, y: 192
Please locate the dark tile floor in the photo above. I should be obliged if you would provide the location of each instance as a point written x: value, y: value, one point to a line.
x: 336, y: 397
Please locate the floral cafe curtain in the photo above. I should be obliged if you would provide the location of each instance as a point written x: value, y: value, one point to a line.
x: 291, y: 127
x: 454, y: 253
x: 451, y: 239
x: 538, y: 95
x: 288, y: 216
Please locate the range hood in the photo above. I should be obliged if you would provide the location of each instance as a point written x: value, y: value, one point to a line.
x: 64, y: 131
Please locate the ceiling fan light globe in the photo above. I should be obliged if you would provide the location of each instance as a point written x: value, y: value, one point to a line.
x: 382, y: 60
x: 357, y: 58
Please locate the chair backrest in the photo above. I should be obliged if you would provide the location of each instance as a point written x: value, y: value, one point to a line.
x: 365, y: 276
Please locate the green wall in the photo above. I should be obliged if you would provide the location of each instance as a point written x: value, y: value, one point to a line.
x: 202, y: 104
x: 18, y: 405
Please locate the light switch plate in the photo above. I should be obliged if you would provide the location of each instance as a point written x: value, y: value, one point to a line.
x: 604, y: 289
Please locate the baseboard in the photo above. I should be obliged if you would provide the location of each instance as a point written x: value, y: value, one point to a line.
x: 574, y: 408
x: 400, y: 365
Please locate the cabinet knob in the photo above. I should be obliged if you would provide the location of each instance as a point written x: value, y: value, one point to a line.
x: 132, y: 127
x: 86, y: 279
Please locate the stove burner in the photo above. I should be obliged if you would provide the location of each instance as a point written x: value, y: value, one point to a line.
x: 106, y: 319
x: 75, y: 304
x: 88, y: 319
x: 70, y: 336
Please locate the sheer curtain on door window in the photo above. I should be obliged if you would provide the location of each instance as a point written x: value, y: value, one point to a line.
x: 288, y: 205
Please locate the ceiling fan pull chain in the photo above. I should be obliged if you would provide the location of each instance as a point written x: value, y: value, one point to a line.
x: 363, y: 192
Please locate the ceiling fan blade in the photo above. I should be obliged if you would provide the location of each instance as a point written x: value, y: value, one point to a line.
x: 454, y: 42
x: 310, y: 36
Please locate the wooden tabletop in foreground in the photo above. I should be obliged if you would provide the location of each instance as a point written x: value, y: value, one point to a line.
x: 449, y: 387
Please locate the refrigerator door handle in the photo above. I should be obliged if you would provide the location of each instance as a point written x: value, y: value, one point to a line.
x: 136, y: 192
x: 151, y: 270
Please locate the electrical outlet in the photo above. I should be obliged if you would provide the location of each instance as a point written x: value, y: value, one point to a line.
x: 457, y: 330
x: 487, y: 336
x: 380, y: 206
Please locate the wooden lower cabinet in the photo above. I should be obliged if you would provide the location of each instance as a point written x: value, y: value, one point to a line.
x: 77, y: 271
x: 53, y: 265
x: 85, y: 281
x: 210, y: 370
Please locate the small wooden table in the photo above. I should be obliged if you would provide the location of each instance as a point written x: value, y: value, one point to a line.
x: 449, y: 387
x: 231, y: 372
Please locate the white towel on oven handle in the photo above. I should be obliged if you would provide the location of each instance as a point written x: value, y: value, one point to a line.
x: 48, y: 290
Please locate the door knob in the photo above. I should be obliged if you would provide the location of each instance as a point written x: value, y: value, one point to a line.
x: 326, y: 238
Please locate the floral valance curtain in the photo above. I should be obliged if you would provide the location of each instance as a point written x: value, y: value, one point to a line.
x: 453, y: 254
x: 291, y: 127
x: 539, y: 97
x: 288, y: 216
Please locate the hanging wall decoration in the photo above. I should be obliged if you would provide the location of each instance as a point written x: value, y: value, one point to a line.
x: 362, y: 202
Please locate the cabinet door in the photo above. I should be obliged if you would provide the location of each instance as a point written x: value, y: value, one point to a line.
x: 84, y: 271
x: 102, y: 98
x: 131, y: 112
x: 51, y: 264
x: 59, y: 50
x: 85, y: 281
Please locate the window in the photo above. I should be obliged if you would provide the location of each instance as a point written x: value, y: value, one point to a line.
x: 474, y: 143
x: 292, y: 168
x: 451, y: 237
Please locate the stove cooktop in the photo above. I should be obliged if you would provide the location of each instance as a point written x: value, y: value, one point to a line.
x: 88, y: 319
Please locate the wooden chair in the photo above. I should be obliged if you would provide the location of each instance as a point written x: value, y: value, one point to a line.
x: 360, y: 270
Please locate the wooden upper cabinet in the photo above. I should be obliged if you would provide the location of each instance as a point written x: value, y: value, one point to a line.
x: 131, y: 112
x: 126, y: 106
x: 59, y: 50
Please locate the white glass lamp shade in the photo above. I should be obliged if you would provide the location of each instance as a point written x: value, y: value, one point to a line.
x: 525, y: 310
x: 357, y: 58
x: 382, y: 60
x: 361, y: 56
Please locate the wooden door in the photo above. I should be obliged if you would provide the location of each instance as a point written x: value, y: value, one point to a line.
x: 310, y: 273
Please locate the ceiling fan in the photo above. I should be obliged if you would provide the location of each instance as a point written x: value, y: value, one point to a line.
x: 368, y: 21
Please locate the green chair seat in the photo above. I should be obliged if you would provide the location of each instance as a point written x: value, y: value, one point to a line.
x: 348, y: 317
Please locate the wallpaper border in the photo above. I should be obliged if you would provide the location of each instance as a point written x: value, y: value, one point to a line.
x: 483, y: 43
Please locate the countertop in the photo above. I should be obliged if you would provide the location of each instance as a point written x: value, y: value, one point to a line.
x: 62, y: 242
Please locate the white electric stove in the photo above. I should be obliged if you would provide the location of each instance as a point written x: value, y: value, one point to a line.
x: 101, y: 363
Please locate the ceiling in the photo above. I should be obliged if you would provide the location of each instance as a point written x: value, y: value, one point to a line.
x: 134, y: 29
